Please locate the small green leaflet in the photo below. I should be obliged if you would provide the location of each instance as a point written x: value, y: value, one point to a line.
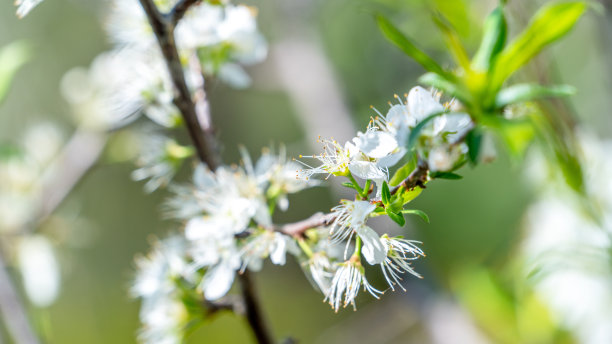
x: 445, y: 175
x: 417, y: 212
x: 398, y: 218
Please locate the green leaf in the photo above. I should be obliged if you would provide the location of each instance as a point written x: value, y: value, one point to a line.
x: 493, y: 39
x: 453, y: 42
x: 401, y: 41
x: 409, y: 195
x: 398, y: 218
x: 414, y: 133
x: 404, y: 171
x: 474, y: 141
x: 12, y: 58
x: 516, y: 133
x: 450, y: 88
x: 417, y: 212
x: 445, y: 175
x: 550, y: 23
x: 529, y: 92
x: 386, y: 194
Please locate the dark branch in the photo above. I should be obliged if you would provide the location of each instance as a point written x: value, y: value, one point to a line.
x: 203, y: 138
x: 229, y: 303
x: 254, y: 314
x: 179, y: 10
x: 418, y: 177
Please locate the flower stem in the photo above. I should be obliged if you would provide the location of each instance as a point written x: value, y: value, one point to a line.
x: 355, y: 184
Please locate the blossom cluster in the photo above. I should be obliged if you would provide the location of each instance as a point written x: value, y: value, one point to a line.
x: 214, y: 40
x: 420, y: 127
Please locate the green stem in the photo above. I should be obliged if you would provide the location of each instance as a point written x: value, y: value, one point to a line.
x: 304, y: 246
x: 357, y: 252
x: 355, y: 184
x: 366, y: 189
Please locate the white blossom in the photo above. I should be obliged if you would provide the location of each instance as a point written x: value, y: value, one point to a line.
x: 400, y: 253
x: 345, y: 285
x: 350, y: 219
x: 158, y: 160
x: 265, y: 244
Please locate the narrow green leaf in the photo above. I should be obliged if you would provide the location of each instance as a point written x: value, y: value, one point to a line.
x: 409, y: 195
x: 445, y: 175
x: 398, y: 218
x: 404, y: 171
x: 493, y: 39
x: 549, y: 24
x: 386, y: 194
x: 474, y: 141
x: 529, y: 92
x: 401, y: 41
x: 453, y: 42
x: 12, y: 58
x: 416, y: 131
x: 450, y: 88
x: 417, y: 212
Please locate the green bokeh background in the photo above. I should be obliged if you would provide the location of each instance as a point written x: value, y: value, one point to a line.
x: 474, y: 221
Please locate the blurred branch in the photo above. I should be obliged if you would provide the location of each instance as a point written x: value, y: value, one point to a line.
x: 13, y: 311
x: 77, y: 157
x: 201, y: 133
x: 179, y: 10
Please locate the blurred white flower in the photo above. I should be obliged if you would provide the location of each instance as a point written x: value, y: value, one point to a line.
x: 159, y: 159
x: 162, y: 313
x: 345, y: 285
x: 39, y: 269
x: 212, y: 246
x: 321, y: 271
x: 263, y: 244
x: 350, y: 219
x: 25, y: 6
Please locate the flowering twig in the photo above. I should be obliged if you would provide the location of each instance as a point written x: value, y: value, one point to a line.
x: 202, y: 137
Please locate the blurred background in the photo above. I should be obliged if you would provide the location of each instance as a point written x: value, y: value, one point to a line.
x: 327, y: 64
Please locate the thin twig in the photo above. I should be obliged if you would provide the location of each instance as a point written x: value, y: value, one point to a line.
x: 297, y: 229
x: 13, y: 311
x: 203, y: 138
x: 417, y: 177
x: 202, y: 135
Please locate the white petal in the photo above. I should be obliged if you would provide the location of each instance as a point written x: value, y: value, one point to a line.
x: 421, y: 103
x: 391, y: 160
x: 366, y: 170
x: 40, y: 270
x: 373, y: 249
x: 375, y: 144
x: 218, y: 281
x: 277, y: 256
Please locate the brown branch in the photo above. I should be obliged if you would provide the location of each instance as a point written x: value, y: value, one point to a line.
x: 179, y: 10
x: 418, y: 177
x: 228, y: 303
x: 254, y: 314
x: 203, y: 138
x: 201, y: 133
x: 297, y: 229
